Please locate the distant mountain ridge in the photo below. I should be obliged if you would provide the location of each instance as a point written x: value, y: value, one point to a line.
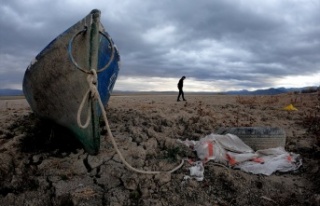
x: 270, y: 91
x: 10, y: 92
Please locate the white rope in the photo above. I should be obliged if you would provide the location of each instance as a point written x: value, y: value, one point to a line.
x: 92, y: 81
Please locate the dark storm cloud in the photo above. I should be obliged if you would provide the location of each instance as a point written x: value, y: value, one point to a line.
x: 250, y: 43
x: 274, y: 44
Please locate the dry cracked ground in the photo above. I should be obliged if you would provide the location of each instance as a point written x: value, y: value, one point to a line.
x: 42, y: 164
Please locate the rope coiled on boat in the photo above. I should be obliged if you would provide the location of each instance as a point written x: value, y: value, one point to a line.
x: 77, y: 65
x: 94, y: 95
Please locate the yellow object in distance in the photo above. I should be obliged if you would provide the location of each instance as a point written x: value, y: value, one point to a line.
x: 290, y: 107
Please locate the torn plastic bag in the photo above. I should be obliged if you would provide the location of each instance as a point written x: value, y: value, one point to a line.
x: 235, y: 158
x: 210, y: 150
x: 197, y: 171
x: 230, y: 142
x: 274, y: 159
x: 230, y: 150
x: 214, y: 146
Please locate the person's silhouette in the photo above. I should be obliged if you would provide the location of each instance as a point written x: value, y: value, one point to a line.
x: 180, y: 87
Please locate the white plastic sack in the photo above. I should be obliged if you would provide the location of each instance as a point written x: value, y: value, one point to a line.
x: 214, y: 146
x: 235, y: 158
x: 230, y: 142
x: 210, y: 150
x: 232, y: 151
x: 277, y: 159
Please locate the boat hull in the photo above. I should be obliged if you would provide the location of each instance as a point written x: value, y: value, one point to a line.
x: 55, y: 83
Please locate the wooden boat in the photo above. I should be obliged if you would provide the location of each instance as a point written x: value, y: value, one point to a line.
x: 56, y: 82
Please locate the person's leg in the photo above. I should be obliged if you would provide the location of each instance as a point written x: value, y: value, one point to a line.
x: 183, y: 95
x: 180, y: 92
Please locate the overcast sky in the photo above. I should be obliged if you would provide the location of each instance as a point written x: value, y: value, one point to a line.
x: 218, y: 45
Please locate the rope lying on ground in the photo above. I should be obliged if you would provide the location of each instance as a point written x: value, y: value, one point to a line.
x: 92, y: 81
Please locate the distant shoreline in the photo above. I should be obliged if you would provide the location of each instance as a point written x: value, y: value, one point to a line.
x: 9, y: 97
x: 160, y: 93
x: 115, y: 94
x: 169, y: 93
x: 5, y: 93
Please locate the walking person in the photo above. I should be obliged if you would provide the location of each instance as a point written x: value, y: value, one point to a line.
x: 180, y: 86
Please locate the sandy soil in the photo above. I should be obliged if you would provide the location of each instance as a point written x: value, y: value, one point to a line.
x: 41, y: 164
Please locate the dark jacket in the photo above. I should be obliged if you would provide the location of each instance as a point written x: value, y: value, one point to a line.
x: 180, y: 83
